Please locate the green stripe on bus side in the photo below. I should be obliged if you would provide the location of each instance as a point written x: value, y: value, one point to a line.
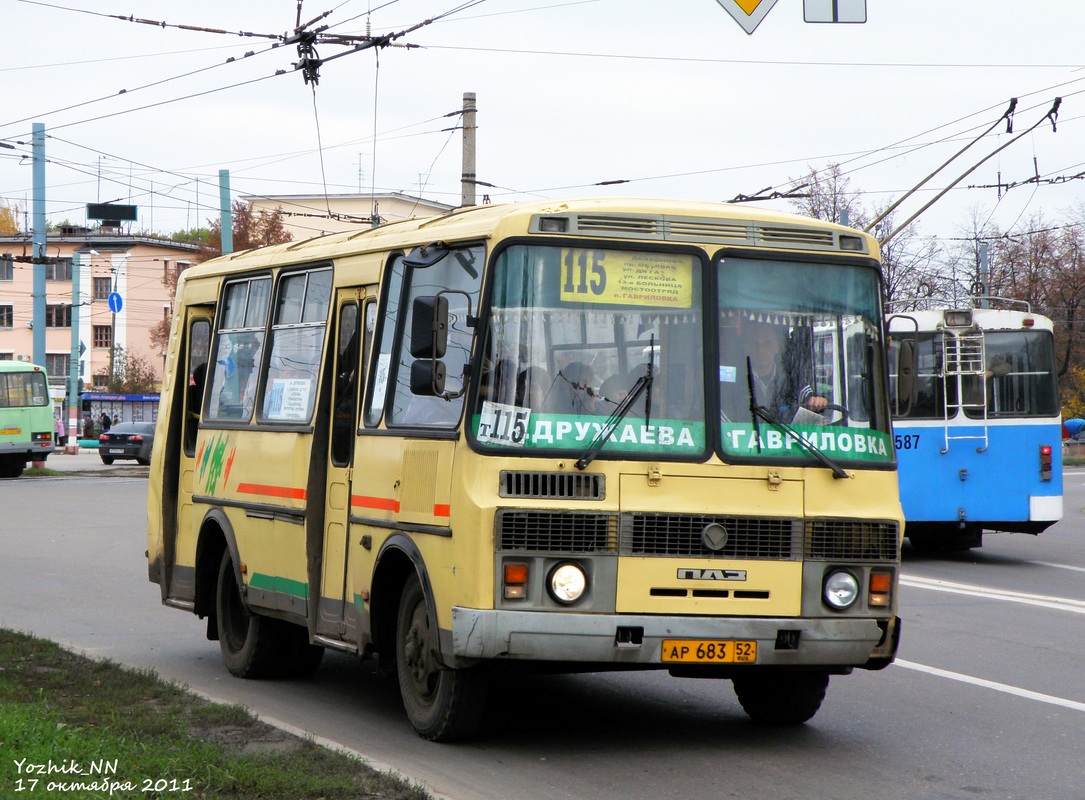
x: 276, y: 583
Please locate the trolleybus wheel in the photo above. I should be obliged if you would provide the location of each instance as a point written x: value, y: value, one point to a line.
x: 442, y: 704
x: 781, y: 698
x: 252, y: 646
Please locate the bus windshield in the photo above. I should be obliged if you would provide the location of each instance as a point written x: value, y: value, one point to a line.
x: 1016, y: 379
x: 570, y: 332
x: 801, y: 354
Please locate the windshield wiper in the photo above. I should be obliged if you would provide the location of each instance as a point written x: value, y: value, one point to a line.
x: 642, y: 384
x: 760, y: 412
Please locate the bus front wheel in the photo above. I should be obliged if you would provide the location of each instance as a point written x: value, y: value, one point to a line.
x: 781, y: 698
x: 442, y: 704
x: 251, y: 645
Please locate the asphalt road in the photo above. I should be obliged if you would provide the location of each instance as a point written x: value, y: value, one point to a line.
x: 986, y: 701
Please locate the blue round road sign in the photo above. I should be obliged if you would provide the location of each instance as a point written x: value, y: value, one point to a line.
x: 115, y: 302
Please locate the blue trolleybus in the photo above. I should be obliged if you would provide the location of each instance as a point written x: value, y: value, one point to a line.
x: 977, y: 427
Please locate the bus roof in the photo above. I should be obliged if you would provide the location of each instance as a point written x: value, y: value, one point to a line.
x: 984, y: 318
x: 479, y: 222
x: 20, y: 366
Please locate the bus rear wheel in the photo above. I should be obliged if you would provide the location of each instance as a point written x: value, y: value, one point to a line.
x: 781, y: 698
x: 442, y: 704
x: 11, y: 466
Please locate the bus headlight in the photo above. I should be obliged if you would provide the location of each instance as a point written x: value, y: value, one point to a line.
x: 566, y: 583
x: 840, y: 590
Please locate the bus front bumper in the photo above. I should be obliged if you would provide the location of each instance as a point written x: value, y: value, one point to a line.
x: 628, y: 639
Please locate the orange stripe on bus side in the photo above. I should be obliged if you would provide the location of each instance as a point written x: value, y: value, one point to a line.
x: 288, y: 492
x: 442, y: 510
x: 379, y: 503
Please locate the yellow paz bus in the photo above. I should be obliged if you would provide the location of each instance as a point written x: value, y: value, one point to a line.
x: 589, y: 435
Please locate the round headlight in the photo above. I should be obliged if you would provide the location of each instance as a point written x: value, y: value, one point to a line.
x: 566, y: 583
x: 841, y: 590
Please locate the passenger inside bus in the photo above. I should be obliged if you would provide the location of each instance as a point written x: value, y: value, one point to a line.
x: 572, y: 391
x: 531, y: 385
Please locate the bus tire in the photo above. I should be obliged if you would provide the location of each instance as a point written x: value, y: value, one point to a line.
x: 11, y: 466
x: 252, y: 645
x: 442, y: 704
x: 781, y: 698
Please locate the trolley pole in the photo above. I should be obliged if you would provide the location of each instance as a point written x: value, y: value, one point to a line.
x: 467, y: 181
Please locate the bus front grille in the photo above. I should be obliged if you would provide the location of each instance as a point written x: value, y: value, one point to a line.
x: 556, y: 531
x: 645, y: 534
x: 852, y: 540
x: 552, y: 485
x: 683, y: 535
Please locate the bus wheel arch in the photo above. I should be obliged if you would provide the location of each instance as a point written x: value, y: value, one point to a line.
x: 215, y: 538
x: 398, y: 559
x: 442, y: 704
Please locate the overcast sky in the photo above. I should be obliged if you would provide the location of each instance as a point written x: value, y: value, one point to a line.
x: 673, y: 97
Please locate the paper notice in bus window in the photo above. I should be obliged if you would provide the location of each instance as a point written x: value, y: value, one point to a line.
x: 380, y: 380
x: 504, y: 424
x: 657, y: 280
x: 289, y: 399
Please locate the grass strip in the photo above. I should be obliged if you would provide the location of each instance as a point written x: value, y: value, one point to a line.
x: 74, y: 728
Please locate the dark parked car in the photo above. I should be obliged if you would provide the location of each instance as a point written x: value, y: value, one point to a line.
x: 127, y: 440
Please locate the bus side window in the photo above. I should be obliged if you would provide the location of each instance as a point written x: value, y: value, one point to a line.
x: 344, y: 400
x: 391, y: 297
x: 199, y: 340
x: 239, y: 345
x: 295, y: 346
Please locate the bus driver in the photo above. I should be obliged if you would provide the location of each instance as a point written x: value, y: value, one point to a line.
x: 779, y: 386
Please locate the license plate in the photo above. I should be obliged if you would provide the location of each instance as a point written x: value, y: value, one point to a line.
x: 115, y: 450
x: 708, y: 651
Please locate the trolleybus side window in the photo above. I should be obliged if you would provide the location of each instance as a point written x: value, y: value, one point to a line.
x: 238, y: 348
x: 295, y: 347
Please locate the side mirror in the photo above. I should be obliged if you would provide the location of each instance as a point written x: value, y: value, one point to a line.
x: 428, y: 378
x: 429, y: 327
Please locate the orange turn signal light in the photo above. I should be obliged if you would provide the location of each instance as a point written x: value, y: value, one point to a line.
x: 879, y: 589
x: 515, y: 581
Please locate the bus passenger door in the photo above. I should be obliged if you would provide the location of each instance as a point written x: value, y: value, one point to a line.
x: 187, y: 402
x: 350, y: 340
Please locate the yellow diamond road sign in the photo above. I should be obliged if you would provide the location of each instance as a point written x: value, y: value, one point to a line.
x: 747, y: 13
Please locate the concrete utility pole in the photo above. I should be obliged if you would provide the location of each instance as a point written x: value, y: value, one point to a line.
x: 39, y: 241
x: 467, y: 181
x: 75, y: 416
x: 226, y: 220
